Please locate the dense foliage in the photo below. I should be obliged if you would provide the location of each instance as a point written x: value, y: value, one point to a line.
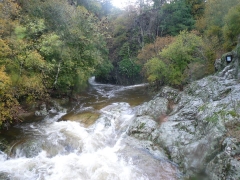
x: 231, y: 28
x: 47, y: 48
x: 171, y: 64
x: 176, y: 17
x: 51, y: 48
x: 211, y: 25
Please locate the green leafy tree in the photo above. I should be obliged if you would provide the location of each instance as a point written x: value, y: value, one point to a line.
x: 70, y: 38
x: 231, y: 29
x: 175, y: 17
x: 130, y: 69
x: 128, y: 66
x: 175, y: 60
x: 210, y: 25
x: 156, y: 71
x: 212, y: 22
x: 49, y: 47
x: 159, y: 3
x: 9, y: 12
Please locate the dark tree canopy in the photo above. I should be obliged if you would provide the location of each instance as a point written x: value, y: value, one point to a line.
x: 176, y: 17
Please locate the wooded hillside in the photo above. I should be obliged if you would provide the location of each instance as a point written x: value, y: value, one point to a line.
x: 51, y: 48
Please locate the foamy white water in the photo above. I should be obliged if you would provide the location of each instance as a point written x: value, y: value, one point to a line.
x: 67, y: 150
x: 109, y: 90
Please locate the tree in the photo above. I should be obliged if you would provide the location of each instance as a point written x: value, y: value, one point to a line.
x: 159, y: 3
x: 212, y: 21
x: 70, y: 38
x: 210, y: 25
x: 175, y: 17
x: 128, y: 67
x: 122, y: 47
x: 156, y: 71
x: 197, y: 7
x: 49, y: 47
x: 5, y: 50
x: 9, y: 12
x: 152, y: 50
x: 8, y: 103
x: 175, y: 59
x: 231, y: 29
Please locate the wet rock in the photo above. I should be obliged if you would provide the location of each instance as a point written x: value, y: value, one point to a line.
x: 143, y: 127
x: 4, y: 176
x: 154, y: 108
x: 43, y: 110
x: 56, y: 106
x: 87, y: 118
x: 158, y: 167
x: 3, y: 144
x: 26, y: 149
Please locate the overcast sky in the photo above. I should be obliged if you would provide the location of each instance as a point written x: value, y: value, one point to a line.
x: 121, y: 3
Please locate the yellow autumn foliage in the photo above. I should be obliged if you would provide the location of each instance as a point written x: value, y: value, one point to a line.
x: 8, y: 104
x: 4, y: 49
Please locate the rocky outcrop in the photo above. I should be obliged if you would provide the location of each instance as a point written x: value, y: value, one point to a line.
x: 42, y: 110
x: 201, y: 130
x: 53, y: 106
x: 154, y: 108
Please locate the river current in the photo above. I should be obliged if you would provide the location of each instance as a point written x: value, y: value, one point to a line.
x: 85, y: 141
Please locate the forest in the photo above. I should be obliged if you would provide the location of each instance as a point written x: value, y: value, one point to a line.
x: 49, y: 48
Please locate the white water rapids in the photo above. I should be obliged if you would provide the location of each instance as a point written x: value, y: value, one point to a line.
x: 68, y: 150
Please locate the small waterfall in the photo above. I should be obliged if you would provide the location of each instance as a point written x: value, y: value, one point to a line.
x: 67, y: 150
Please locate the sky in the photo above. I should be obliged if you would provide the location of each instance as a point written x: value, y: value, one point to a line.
x: 121, y: 3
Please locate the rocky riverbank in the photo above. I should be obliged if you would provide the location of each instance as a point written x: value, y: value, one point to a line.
x: 199, y: 127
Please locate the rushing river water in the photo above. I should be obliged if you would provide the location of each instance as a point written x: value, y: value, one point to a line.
x: 87, y: 141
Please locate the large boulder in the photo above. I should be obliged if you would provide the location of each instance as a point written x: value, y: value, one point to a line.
x: 154, y: 108
x: 143, y: 127
x: 192, y: 134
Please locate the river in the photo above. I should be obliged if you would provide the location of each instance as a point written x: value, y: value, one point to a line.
x: 85, y: 141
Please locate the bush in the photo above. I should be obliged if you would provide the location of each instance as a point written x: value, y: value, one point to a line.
x: 231, y: 29
x: 174, y: 60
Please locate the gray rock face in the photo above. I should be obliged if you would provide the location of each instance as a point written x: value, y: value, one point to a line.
x: 153, y: 108
x: 169, y: 93
x: 202, y: 131
x: 144, y: 128
x: 226, y: 164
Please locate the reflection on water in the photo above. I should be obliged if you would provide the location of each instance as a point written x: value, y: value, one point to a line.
x: 90, y: 142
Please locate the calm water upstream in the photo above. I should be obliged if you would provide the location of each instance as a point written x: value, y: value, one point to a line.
x: 86, y: 141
